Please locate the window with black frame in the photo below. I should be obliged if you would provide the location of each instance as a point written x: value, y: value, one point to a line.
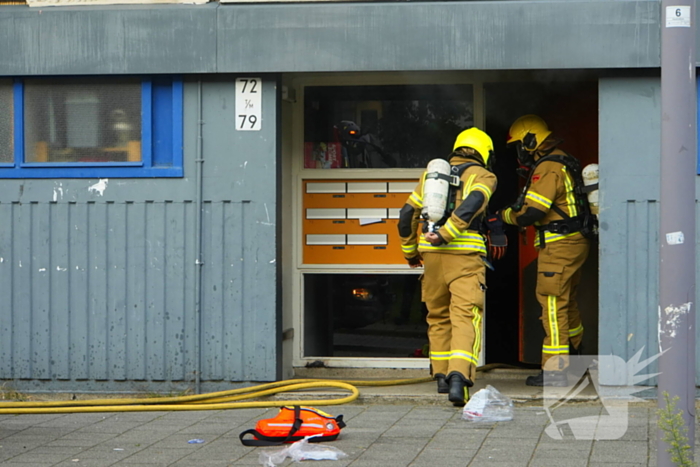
x: 386, y: 126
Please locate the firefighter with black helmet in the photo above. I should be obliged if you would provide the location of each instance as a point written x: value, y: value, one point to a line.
x: 554, y: 203
x: 452, y: 249
x: 361, y: 150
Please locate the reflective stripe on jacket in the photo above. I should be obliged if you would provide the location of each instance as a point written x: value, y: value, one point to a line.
x: 459, y: 238
x: 550, y: 184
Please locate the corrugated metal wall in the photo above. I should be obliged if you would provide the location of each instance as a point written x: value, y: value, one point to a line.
x: 630, y: 148
x: 97, y: 278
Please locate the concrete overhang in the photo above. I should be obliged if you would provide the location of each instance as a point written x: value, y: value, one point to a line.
x: 330, y: 37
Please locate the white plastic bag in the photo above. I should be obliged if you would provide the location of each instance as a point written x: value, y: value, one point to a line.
x: 488, y: 405
x: 300, y: 451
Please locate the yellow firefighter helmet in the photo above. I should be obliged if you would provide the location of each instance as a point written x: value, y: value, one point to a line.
x: 476, y: 139
x: 530, y: 130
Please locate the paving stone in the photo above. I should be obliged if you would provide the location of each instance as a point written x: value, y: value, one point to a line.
x: 23, y: 464
x: 39, y: 458
x: 478, y: 461
x: 58, y: 451
x: 619, y: 464
x: 441, y: 458
x: 558, y: 462
x: 510, y: 433
x: 413, y: 431
x: 620, y: 452
x: 88, y: 463
x: 114, y: 428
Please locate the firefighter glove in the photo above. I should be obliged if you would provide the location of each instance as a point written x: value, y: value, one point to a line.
x: 415, y: 262
x: 498, y: 242
x: 434, y: 238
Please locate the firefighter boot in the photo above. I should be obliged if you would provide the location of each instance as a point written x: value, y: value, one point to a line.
x: 459, y: 389
x: 442, y: 386
x: 548, y: 378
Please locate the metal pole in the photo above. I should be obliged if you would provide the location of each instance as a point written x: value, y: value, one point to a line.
x: 199, y: 262
x: 677, y: 218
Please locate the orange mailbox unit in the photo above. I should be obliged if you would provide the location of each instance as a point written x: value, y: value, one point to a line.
x: 353, y: 221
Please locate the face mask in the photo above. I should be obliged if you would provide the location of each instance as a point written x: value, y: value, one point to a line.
x: 492, y: 161
x: 525, y: 158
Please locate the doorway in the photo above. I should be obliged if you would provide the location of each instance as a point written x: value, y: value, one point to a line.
x: 353, y: 298
x: 364, y: 148
x: 571, y: 110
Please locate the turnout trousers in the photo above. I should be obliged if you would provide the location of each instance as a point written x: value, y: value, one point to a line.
x: 453, y: 291
x: 558, y: 275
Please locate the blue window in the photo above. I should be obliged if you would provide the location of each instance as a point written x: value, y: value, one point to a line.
x: 697, y: 129
x: 91, y: 128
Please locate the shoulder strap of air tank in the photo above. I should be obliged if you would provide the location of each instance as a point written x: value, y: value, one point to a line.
x: 554, y: 158
x: 569, y: 161
x: 458, y: 170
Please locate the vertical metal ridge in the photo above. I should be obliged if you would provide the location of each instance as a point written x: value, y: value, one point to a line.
x: 88, y: 282
x: 127, y: 303
x: 190, y: 337
x: 117, y: 233
x: 223, y: 302
x: 97, y: 305
x: 217, y: 308
x: 7, y: 290
x: 165, y: 357
x: 630, y: 260
x: 175, y: 300
x: 49, y: 314
x: 107, y: 373
x: 59, y: 283
x: 652, y: 277
x: 29, y: 267
x: 209, y: 325
x: 167, y: 372
x: 245, y: 317
x: 69, y: 309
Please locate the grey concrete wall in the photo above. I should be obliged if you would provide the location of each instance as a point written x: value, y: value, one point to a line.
x: 107, y: 39
x: 336, y: 36
x: 630, y: 151
x: 493, y: 35
x: 98, y: 286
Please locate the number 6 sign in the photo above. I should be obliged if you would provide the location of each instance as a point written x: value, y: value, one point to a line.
x: 248, y: 104
x: 678, y: 16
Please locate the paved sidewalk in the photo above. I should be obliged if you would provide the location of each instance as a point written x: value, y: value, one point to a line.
x: 376, y: 436
x: 390, y: 426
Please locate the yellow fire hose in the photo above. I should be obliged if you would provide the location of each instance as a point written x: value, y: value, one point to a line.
x: 211, y: 401
x: 216, y: 400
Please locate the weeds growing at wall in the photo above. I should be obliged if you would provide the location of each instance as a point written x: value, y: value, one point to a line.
x: 675, y: 433
x: 8, y: 393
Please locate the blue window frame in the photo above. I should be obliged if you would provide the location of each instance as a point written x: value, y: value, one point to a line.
x: 77, y: 141
x: 697, y: 129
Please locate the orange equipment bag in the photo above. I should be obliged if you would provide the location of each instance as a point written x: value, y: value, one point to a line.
x: 293, y: 424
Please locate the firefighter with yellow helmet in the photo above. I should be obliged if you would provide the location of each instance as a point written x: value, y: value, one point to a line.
x: 452, y: 201
x: 553, y: 201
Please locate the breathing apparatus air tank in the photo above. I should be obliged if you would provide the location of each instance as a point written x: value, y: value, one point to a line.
x: 590, y: 177
x: 436, y: 190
